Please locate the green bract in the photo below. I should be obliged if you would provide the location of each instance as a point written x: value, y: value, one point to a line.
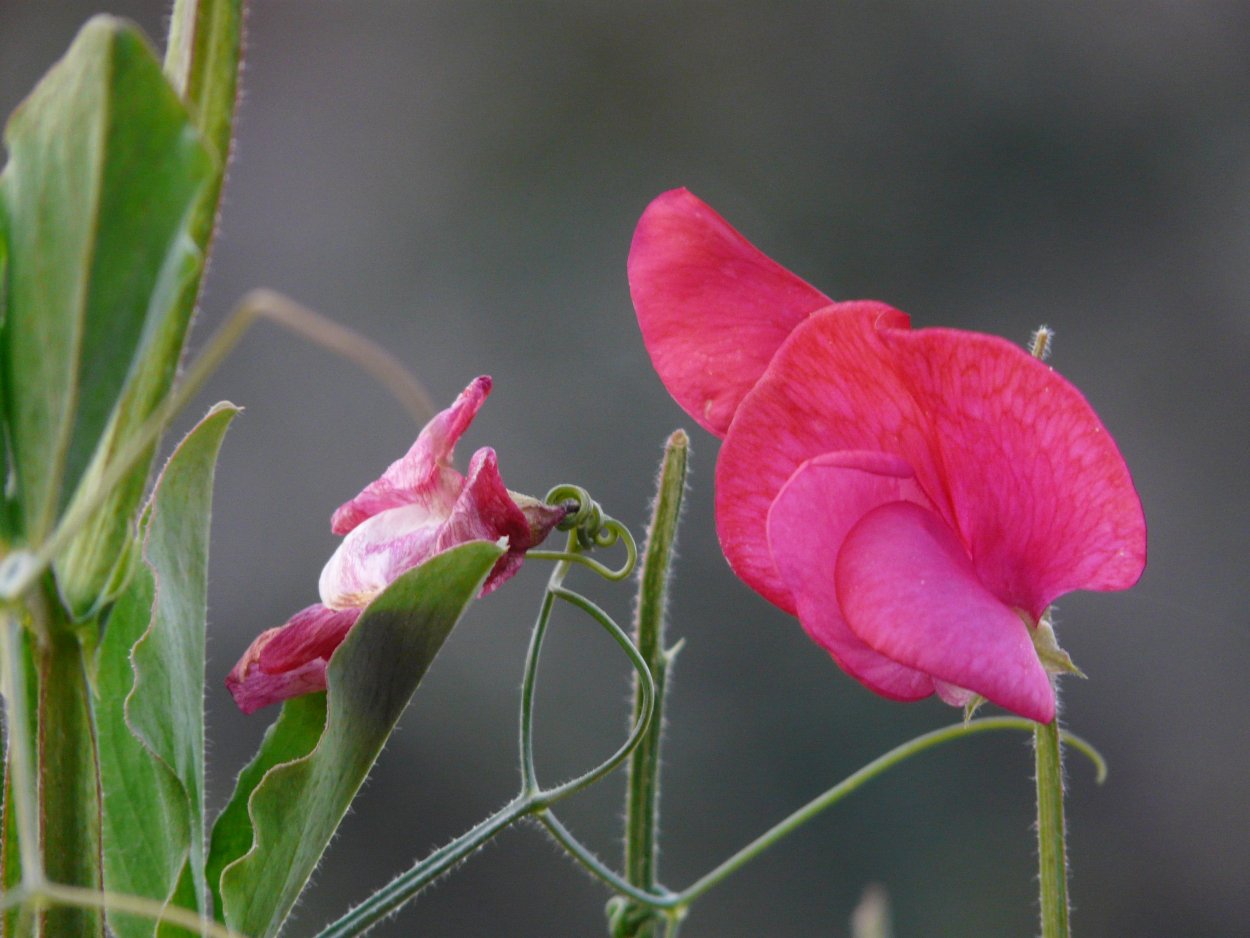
x: 290, y: 799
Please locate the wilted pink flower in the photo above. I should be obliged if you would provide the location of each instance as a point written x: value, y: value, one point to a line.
x: 917, y: 499
x: 420, y: 507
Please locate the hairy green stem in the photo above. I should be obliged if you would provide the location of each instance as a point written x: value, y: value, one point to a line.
x: 642, y: 719
x: 1051, y: 836
x: 529, y: 775
x: 21, y: 790
x: 404, y: 887
x: 202, y: 62
x: 532, y: 799
x: 642, y: 799
x: 69, y: 784
x: 674, y: 904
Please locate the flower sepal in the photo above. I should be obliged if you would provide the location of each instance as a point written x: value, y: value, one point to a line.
x: 1054, y: 659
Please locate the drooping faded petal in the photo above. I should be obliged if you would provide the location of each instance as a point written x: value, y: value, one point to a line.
x: 713, y: 309
x: 424, y: 475
x: 1042, y: 496
x: 808, y: 522
x: 907, y: 588
x: 486, y: 510
x: 828, y: 388
x: 291, y: 659
x: 394, y: 541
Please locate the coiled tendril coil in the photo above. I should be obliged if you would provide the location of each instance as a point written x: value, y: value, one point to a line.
x: 589, y: 528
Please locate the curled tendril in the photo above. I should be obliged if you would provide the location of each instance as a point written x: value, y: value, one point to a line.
x: 589, y: 528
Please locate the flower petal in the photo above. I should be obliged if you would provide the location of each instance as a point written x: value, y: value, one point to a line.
x: 393, y: 542
x: 713, y: 309
x: 807, y: 524
x: 1043, y: 498
x: 1012, y: 456
x: 908, y: 589
x: 424, y: 475
x: 828, y: 388
x: 289, y: 660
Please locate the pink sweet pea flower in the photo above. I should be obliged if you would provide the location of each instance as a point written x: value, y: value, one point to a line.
x: 420, y: 507
x: 917, y: 499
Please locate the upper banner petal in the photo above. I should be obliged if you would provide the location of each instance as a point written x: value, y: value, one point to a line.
x: 907, y: 588
x: 712, y: 308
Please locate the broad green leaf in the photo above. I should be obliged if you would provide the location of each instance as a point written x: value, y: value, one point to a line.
x: 292, y: 736
x: 293, y: 807
x: 105, y: 170
x: 150, y: 710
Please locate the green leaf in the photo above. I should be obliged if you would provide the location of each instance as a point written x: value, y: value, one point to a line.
x: 293, y: 807
x: 292, y: 736
x: 150, y: 710
x: 105, y: 171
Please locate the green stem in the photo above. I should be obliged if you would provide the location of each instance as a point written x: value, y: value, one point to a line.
x: 389, y: 898
x: 675, y: 904
x: 1051, y: 846
x: 642, y: 799
x: 529, y: 775
x: 532, y: 798
x: 839, y: 791
x: 21, y: 790
x: 641, y: 721
x: 202, y: 62
x: 52, y: 893
x: 593, y: 865
x: 69, y: 783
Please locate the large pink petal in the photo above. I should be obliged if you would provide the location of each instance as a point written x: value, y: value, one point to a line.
x: 806, y: 527
x: 289, y: 660
x: 424, y: 474
x: 908, y: 589
x: 830, y: 387
x: 1011, y: 454
x: 1042, y: 496
x: 712, y: 308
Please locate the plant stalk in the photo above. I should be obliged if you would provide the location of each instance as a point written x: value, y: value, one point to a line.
x: 1051, y: 835
x: 69, y: 784
x: 642, y: 799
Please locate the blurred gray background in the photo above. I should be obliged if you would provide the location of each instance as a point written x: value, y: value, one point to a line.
x: 460, y: 180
